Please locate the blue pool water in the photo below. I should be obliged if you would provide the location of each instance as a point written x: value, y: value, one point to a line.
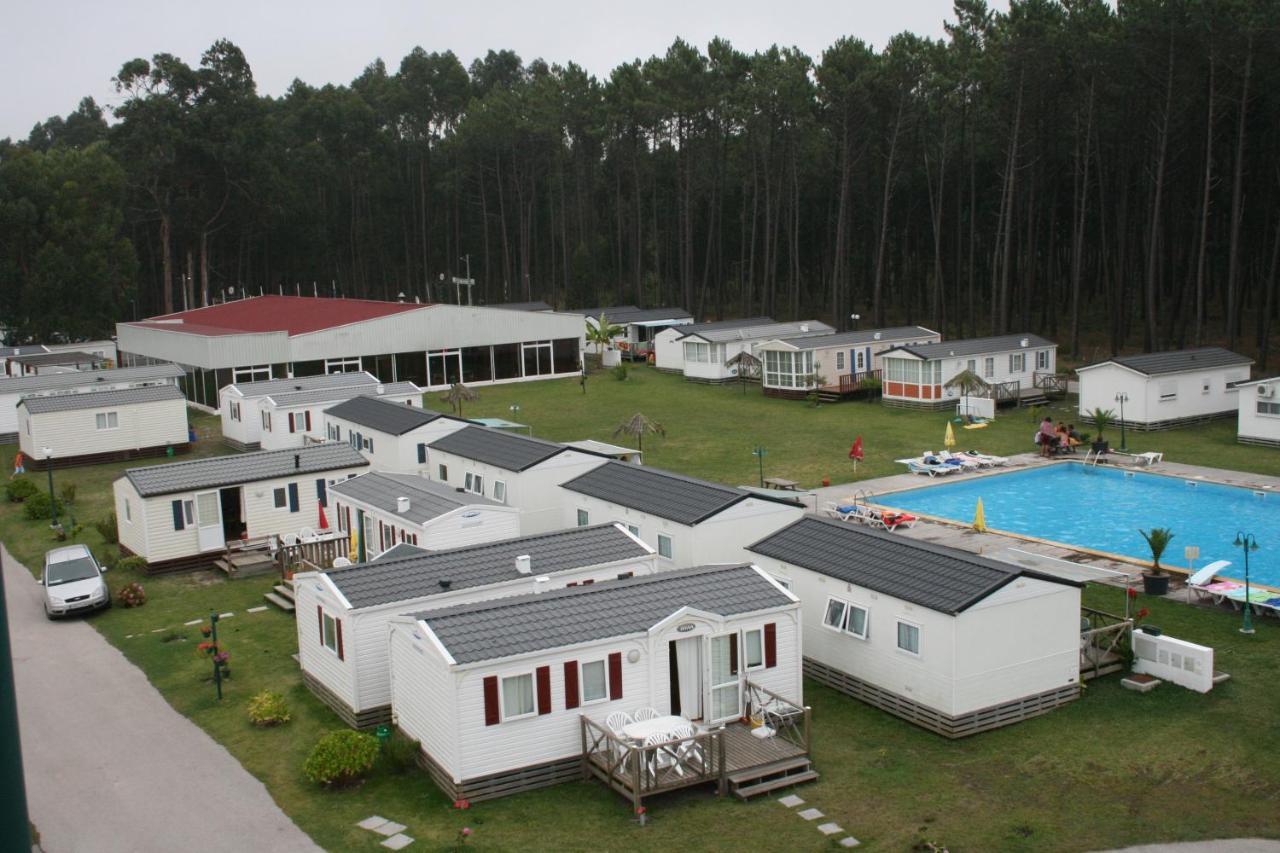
x: 1103, y: 508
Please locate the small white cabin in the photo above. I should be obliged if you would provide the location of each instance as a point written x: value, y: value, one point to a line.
x: 943, y: 638
x: 295, y: 419
x: 1164, y: 389
x: 706, y: 351
x: 393, y: 436
x: 668, y: 350
x: 13, y: 390
x: 388, y: 509
x: 495, y: 692
x: 688, y: 521
x: 183, y: 514
x: 343, y: 613
x: 916, y: 376
x: 244, y: 419
x: 792, y: 365
x: 1259, y: 416
x: 48, y: 362
x: 100, y: 426
x: 516, y: 470
x: 639, y: 325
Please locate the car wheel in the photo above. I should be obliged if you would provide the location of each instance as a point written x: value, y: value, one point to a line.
x: 49, y: 615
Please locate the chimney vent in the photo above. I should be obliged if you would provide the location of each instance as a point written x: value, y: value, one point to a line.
x: 877, y: 336
x: 524, y: 564
x: 381, y: 389
x: 402, y: 505
x: 541, y: 583
x: 1025, y: 342
x: 804, y: 327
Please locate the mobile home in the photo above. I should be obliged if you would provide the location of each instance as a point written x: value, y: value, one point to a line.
x: 13, y: 390
x: 100, y: 426
x: 916, y: 376
x: 1164, y: 389
x: 391, y: 435
x: 793, y: 366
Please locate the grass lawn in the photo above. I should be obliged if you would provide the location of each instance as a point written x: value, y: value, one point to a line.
x: 1114, y: 768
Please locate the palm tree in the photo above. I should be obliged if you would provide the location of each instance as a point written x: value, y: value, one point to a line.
x: 636, y: 427
x: 967, y: 383
x: 602, y: 333
x: 459, y: 394
x: 1102, y: 418
x: 1158, y: 539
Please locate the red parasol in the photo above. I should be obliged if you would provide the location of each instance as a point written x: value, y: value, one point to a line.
x: 855, y: 452
x: 324, y: 522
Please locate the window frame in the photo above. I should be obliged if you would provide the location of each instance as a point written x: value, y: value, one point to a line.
x: 840, y: 359
x: 670, y: 549
x: 582, y: 682
x: 500, y: 491
x: 1042, y: 359
x: 989, y: 367
x: 106, y: 418
x: 502, y: 696
x: 128, y: 512
x: 280, y: 498
x: 474, y: 483
x: 584, y: 518
x: 442, y: 473
x: 188, y: 513
x: 329, y: 630
x: 747, y: 665
x: 914, y: 626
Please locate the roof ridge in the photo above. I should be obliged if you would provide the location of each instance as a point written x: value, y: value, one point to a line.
x: 309, y: 449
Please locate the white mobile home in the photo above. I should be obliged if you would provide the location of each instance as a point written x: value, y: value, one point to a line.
x: 916, y: 376
x: 516, y: 470
x: 247, y: 408
x: 297, y: 418
x: 1259, y: 417
x: 495, y: 692
x: 13, y: 390
x: 388, y: 509
x: 668, y: 351
x: 343, y: 613
x: 792, y: 365
x: 707, y: 350
x: 1164, y: 389
x: 639, y: 325
x: 52, y: 362
x: 689, y: 522
x: 182, y: 515
x: 946, y: 639
x: 391, y: 435
x: 100, y: 426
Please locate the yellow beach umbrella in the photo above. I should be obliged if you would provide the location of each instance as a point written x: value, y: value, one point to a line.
x: 950, y: 438
x: 980, y: 518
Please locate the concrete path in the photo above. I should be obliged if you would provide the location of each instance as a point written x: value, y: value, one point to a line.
x: 1229, y: 845
x: 109, y: 765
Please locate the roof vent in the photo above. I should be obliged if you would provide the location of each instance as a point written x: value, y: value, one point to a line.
x: 1025, y: 342
x: 524, y: 564
x: 402, y: 505
x: 297, y: 460
x: 297, y: 387
x: 541, y: 583
x: 98, y: 379
x: 381, y: 389
x: 400, y: 296
x: 804, y: 327
x: 445, y: 583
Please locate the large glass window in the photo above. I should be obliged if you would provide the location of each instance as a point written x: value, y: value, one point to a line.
x: 411, y: 367
x: 537, y: 358
x: 257, y: 373
x: 307, y: 368
x: 594, y: 682
x: 565, y: 353
x: 444, y: 367
x: 342, y: 365
x: 517, y: 696
x: 787, y: 369
x: 381, y: 366
x: 506, y: 361
x: 477, y: 364
x: 725, y: 694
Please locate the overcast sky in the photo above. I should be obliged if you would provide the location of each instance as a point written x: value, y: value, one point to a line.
x: 55, y: 53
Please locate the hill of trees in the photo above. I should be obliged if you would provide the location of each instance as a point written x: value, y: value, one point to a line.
x: 1067, y: 168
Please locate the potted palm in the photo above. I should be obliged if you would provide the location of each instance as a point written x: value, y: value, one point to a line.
x: 1156, y: 582
x: 1102, y: 418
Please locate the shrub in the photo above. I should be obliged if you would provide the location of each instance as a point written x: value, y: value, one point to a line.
x: 620, y: 372
x: 340, y: 758
x: 131, y: 564
x: 67, y: 491
x: 37, y: 506
x: 107, y: 529
x: 400, y: 753
x: 268, y: 709
x: 19, y: 489
x: 131, y: 595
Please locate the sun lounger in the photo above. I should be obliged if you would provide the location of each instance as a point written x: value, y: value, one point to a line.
x: 986, y: 458
x: 966, y: 462
x: 919, y: 466
x: 1204, y: 577
x: 891, y: 520
x: 851, y: 511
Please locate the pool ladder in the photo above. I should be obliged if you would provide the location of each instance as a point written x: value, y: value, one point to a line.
x: 1091, y: 459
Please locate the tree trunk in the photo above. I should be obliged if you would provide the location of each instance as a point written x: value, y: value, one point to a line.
x: 1081, y: 214
x: 877, y: 283
x: 1206, y: 192
x: 1149, y: 290
x: 1237, y: 207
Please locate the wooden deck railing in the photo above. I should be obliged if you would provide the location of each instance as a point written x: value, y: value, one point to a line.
x: 851, y: 383
x: 1102, y: 638
x: 637, y: 772
x: 788, y: 720
x: 321, y: 553
x: 1050, y: 383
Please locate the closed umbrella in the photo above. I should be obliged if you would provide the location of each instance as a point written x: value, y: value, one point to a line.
x: 950, y: 438
x: 980, y: 518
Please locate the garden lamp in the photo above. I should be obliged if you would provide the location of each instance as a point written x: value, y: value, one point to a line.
x: 53, y: 505
x: 1122, y: 398
x: 1248, y: 542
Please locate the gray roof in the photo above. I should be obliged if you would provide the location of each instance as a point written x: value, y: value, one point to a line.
x: 976, y: 346
x: 87, y: 379
x: 27, y: 349
x: 427, y: 498
x: 103, y: 399
x: 522, y: 306
x: 1178, y: 361
x: 269, y: 387
x: 944, y: 579
x: 568, y: 616
x: 56, y: 358
x: 686, y: 500
x: 334, y: 395
x: 400, y: 551
x: 418, y: 576
x: 622, y: 315
x: 383, y: 415
x: 497, y: 447
x: 718, y: 325
x: 764, y: 330
x: 242, y: 468
x: 867, y: 336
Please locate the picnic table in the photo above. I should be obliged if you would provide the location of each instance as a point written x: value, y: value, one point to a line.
x: 782, y: 483
x: 639, y: 731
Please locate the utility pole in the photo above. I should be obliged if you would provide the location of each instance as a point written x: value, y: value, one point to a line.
x: 468, y: 281
x: 15, y: 830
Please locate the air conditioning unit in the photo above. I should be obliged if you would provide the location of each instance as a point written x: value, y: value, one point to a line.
x: 1265, y: 391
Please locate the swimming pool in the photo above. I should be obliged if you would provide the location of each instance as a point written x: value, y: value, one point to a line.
x: 1103, y: 508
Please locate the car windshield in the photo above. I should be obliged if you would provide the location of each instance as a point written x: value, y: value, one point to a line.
x: 81, y: 568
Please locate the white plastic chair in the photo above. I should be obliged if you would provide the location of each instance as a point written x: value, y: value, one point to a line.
x: 288, y: 539
x: 616, y: 721
x: 689, y: 749
x: 341, y: 562
x: 659, y: 759
x: 307, y: 534
x: 643, y: 714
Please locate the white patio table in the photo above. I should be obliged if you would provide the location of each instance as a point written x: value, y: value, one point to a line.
x: 658, y: 725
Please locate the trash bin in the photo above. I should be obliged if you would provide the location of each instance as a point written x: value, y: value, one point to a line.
x: 1151, y: 629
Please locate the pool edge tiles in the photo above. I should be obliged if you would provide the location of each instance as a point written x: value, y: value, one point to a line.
x: 1099, y: 511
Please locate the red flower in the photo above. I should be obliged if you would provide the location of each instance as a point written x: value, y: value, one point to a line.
x: 462, y: 804
x: 466, y: 830
x: 640, y: 809
x: 1142, y: 614
x: 1133, y: 593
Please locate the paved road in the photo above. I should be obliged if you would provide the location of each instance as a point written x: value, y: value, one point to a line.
x: 110, y: 767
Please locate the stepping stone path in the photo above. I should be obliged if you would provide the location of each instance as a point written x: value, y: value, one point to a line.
x: 193, y: 622
x: 791, y: 801
x: 396, y: 839
x: 257, y: 609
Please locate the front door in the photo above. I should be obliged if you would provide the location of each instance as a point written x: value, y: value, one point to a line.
x: 726, y: 692
x: 686, y: 678
x: 209, y: 533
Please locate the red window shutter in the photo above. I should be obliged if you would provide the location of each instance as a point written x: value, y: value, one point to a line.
x: 615, y: 675
x: 770, y: 645
x: 320, y: 620
x: 291, y: 422
x: 571, y: 684
x: 337, y: 624
x: 733, y: 654
x: 308, y: 419
x: 542, y: 675
x: 492, y: 716
x: 382, y: 536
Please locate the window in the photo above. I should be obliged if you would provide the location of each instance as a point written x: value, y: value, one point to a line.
x: 725, y: 693
x: 368, y: 444
x: 474, y: 483
x: 664, y: 546
x: 1168, y: 391
x: 840, y: 360
x: 971, y: 365
x: 257, y: 373
x: 235, y: 410
x: 859, y: 360
x: 583, y: 518
x: 266, y: 421
x: 787, y: 369
x: 834, y: 617
x: 1268, y: 408
x: 1017, y: 362
x: 281, y: 499
x: 595, y: 682
x: 846, y: 617
x: 500, y: 491
x: 1206, y: 384
x: 909, y: 638
x: 696, y: 352
x: 189, y: 512
x: 1042, y: 359
x: 330, y: 638
x: 342, y: 365
x: 988, y: 367
x: 753, y: 648
x: 107, y: 420
x: 443, y: 472
x: 634, y: 530
x: 128, y: 511
x: 517, y: 696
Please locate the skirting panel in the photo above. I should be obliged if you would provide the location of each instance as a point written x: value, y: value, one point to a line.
x: 944, y: 724
x: 111, y: 456
x: 923, y: 405
x: 1156, y: 426
x: 507, y: 782
x: 191, y: 563
x: 242, y: 446
x: 1261, y: 442
x: 366, y: 719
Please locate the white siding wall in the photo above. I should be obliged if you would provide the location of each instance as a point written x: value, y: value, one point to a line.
x: 422, y: 694
x: 647, y: 527
x: 1251, y: 423
x: 532, y: 491
x: 280, y: 438
x: 1022, y: 640
x: 314, y: 657
x: 248, y: 428
x: 668, y: 353
x: 131, y: 522
x: 75, y: 433
x: 1099, y: 386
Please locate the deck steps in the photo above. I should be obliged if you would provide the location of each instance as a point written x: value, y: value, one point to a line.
x: 282, y: 596
x: 1028, y: 402
x: 245, y: 564
x: 770, y: 777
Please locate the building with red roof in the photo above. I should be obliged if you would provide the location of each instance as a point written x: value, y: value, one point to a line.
x: 276, y: 337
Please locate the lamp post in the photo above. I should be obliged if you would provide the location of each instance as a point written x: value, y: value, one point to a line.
x: 1122, y: 398
x: 1248, y: 542
x: 759, y: 453
x: 53, y: 506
